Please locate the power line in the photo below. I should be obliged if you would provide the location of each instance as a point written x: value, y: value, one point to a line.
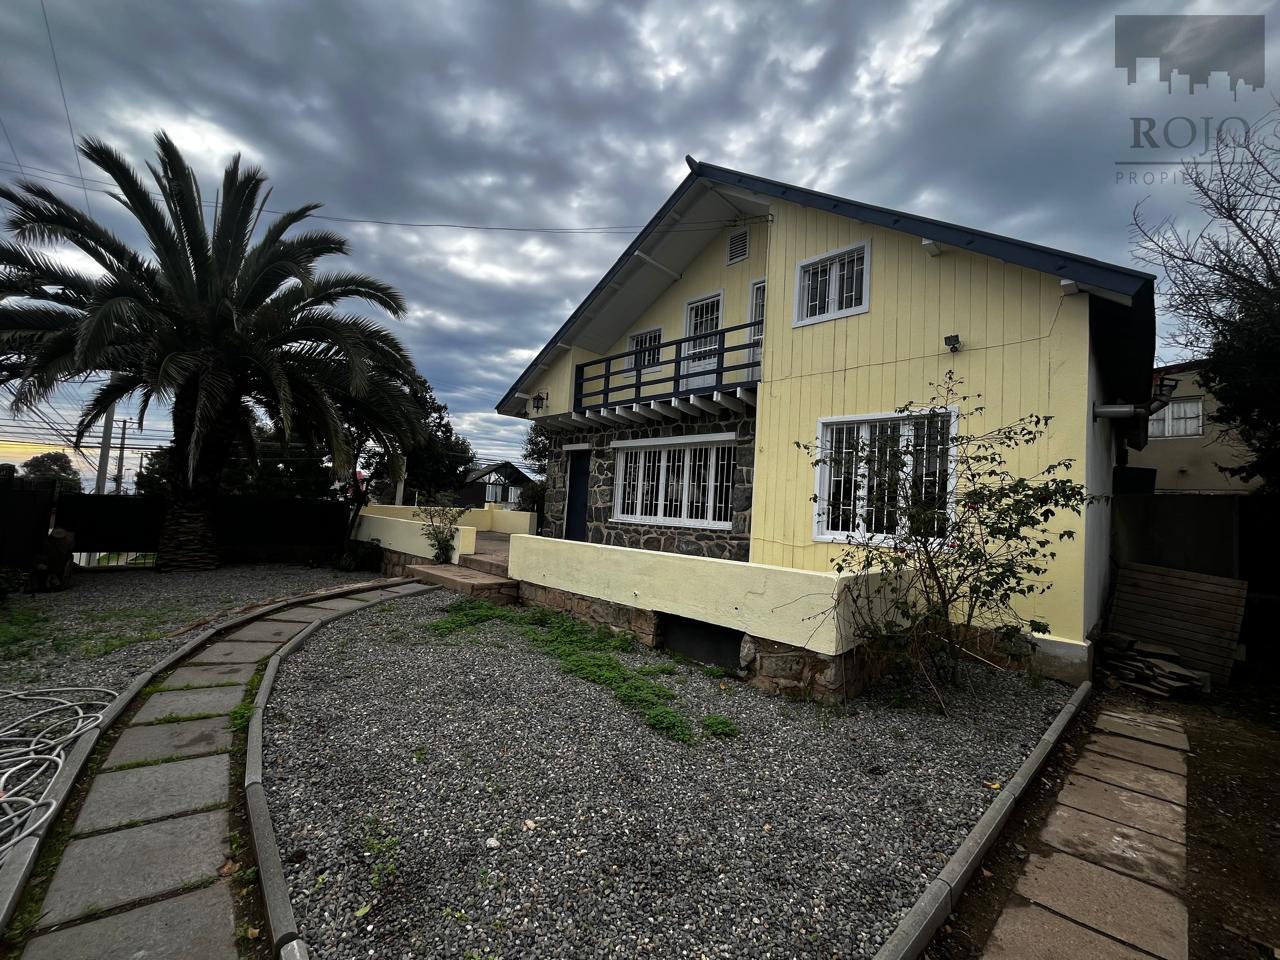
x: 65, y: 109
x: 9, y: 139
x: 686, y: 226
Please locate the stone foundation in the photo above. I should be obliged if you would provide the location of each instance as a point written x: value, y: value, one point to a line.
x: 732, y: 544
x: 805, y: 674
x: 395, y: 563
x: 643, y: 624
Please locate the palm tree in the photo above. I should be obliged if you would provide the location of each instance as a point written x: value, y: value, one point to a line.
x: 226, y: 329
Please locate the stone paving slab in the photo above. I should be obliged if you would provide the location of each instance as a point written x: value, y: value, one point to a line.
x: 1136, y: 853
x: 1146, y: 732
x: 307, y: 614
x: 1027, y: 932
x: 266, y: 631
x: 1160, y: 817
x: 1133, y: 776
x: 148, y: 793
x: 1162, y: 758
x: 1137, y: 913
x: 408, y: 589
x: 189, y: 703
x: 229, y: 651
x: 162, y: 858
x: 210, y: 675
x: 1150, y: 719
x: 195, y: 926
x: 165, y: 740
x: 369, y: 596
x: 340, y: 604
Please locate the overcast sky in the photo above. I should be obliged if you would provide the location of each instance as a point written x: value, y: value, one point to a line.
x: 1005, y: 116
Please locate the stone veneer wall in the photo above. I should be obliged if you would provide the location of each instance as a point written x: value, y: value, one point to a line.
x: 603, y: 613
x: 733, y: 544
x: 396, y: 564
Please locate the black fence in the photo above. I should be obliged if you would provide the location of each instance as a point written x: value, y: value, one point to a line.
x: 116, y: 531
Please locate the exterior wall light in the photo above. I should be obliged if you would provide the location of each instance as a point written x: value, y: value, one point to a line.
x: 539, y: 400
x: 953, y: 342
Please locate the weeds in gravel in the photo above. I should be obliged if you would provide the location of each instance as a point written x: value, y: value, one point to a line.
x: 657, y: 670
x: 584, y: 652
x: 383, y: 848
x: 715, y: 725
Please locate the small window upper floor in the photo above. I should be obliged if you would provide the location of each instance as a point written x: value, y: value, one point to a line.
x: 833, y: 284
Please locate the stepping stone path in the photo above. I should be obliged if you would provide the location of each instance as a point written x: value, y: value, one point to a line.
x: 140, y: 875
x: 1110, y: 889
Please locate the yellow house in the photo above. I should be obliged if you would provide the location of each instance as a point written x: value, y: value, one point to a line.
x: 750, y: 314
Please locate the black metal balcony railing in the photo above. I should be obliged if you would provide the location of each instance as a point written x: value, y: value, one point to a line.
x: 701, y: 363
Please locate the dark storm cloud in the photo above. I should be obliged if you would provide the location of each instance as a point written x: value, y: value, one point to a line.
x: 1002, y: 116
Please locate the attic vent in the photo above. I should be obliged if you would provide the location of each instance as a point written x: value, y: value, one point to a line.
x: 738, y: 247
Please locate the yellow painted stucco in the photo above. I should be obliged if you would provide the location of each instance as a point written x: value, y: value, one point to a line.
x: 789, y: 606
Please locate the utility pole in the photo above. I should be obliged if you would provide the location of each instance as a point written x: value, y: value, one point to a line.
x: 124, y: 428
x: 104, y: 452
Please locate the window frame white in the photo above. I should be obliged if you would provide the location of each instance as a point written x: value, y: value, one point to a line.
x: 665, y: 446
x: 1166, y: 417
x: 822, y: 475
x: 729, y: 258
x: 798, y: 319
x: 631, y: 348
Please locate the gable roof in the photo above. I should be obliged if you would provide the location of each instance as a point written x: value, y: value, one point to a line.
x: 742, y: 194
x: 509, y: 471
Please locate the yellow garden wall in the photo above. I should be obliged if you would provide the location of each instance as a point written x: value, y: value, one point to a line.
x: 789, y: 606
x: 405, y: 534
x: 484, y: 518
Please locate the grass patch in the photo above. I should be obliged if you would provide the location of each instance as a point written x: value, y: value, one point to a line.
x: 173, y: 758
x: 657, y: 670
x: 110, y: 643
x: 715, y: 673
x: 585, y: 652
x: 240, y: 715
x: 715, y: 725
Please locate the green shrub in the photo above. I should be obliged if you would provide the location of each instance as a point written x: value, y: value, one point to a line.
x: 715, y: 725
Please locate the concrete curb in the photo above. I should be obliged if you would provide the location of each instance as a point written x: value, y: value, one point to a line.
x: 271, y: 878
x: 17, y: 866
x: 940, y: 898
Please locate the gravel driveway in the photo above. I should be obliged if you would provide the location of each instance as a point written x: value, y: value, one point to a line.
x: 463, y: 797
x: 109, y: 627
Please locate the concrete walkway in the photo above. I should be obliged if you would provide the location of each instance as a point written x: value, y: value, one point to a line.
x: 144, y: 875
x: 1109, y: 889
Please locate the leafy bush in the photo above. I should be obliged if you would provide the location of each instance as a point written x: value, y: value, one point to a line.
x: 438, y: 524
x: 970, y: 537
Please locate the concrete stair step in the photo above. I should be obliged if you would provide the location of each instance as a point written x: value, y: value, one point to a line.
x: 472, y: 583
x: 485, y: 564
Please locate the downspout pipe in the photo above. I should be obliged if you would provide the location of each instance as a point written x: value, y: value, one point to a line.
x: 1132, y: 411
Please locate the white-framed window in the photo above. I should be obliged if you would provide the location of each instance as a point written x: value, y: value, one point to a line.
x: 493, y: 492
x: 513, y: 494
x: 835, y: 284
x: 684, y: 482
x: 881, y: 474
x: 1183, y: 417
x: 738, y: 246
x: 756, y: 318
x: 647, y: 349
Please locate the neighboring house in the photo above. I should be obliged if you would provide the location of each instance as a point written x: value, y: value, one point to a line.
x: 1186, y: 447
x: 749, y: 315
x: 497, y: 483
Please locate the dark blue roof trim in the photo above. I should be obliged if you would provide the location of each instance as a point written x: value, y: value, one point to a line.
x: 1069, y: 266
x: 1136, y: 284
x: 618, y: 264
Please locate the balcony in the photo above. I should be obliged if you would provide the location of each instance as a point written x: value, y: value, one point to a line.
x: 703, y: 373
